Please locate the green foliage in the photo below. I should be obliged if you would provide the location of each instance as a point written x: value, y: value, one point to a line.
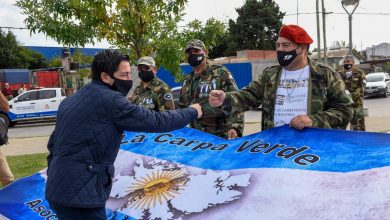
x: 256, y: 27
x: 77, y: 56
x: 31, y: 59
x: 142, y: 26
x: 55, y: 62
x: 82, y: 59
x: 214, y: 34
x: 14, y: 56
x: 8, y: 51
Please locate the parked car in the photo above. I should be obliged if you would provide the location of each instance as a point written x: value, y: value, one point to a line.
x: 377, y: 84
x: 34, y: 104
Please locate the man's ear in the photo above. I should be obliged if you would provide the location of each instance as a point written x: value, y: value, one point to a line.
x: 155, y: 69
x: 106, y: 78
x: 206, y: 52
x: 305, y: 49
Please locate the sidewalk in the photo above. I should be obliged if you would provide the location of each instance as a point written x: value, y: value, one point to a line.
x: 21, y: 146
x: 33, y: 145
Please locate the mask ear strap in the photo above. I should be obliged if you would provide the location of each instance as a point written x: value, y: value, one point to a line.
x: 301, y: 50
x: 112, y: 76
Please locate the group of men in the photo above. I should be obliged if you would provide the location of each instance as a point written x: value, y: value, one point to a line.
x: 90, y: 124
x: 152, y: 93
x: 299, y: 91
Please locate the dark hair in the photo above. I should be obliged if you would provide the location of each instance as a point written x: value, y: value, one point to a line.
x: 106, y: 61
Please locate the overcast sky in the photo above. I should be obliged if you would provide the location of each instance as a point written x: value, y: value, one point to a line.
x: 370, y: 27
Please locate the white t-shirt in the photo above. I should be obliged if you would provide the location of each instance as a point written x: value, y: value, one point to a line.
x: 291, y: 95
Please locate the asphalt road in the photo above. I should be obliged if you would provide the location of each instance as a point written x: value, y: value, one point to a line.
x: 377, y: 107
x: 22, y: 130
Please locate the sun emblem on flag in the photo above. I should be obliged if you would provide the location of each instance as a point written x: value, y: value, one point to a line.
x: 157, y: 187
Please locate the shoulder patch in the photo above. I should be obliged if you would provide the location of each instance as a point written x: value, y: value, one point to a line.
x: 168, y: 97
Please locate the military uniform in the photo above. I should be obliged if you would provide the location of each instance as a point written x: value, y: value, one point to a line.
x: 329, y: 105
x: 196, y: 89
x: 157, y: 96
x: 355, y: 84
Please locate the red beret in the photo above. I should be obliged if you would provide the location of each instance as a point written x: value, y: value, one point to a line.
x: 295, y: 34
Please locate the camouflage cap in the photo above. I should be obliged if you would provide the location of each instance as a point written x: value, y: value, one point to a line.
x: 195, y: 43
x: 149, y: 61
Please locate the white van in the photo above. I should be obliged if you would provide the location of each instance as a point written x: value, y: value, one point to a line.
x: 377, y: 84
x: 34, y: 104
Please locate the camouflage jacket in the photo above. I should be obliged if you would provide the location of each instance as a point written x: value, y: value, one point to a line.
x: 196, y: 89
x: 157, y: 96
x: 329, y: 106
x: 355, y: 84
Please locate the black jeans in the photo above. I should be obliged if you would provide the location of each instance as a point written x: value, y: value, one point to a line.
x: 69, y: 213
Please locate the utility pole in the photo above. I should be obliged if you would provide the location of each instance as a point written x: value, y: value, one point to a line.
x: 318, y: 31
x: 324, y: 31
x: 354, y: 4
x: 297, y: 11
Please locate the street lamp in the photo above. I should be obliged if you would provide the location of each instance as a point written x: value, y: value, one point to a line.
x: 350, y: 4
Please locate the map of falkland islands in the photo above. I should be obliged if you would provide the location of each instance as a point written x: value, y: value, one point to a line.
x: 147, y: 188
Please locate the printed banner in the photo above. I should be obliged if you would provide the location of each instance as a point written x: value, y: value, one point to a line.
x: 276, y: 174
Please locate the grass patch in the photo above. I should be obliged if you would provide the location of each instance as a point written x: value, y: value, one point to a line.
x: 26, y: 165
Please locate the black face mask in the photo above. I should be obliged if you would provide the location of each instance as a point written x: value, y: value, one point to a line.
x: 347, y: 66
x: 285, y: 58
x: 195, y: 59
x: 146, y: 76
x: 122, y: 86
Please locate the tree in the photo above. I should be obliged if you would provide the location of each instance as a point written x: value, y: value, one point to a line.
x: 55, y: 62
x: 82, y: 59
x: 214, y: 34
x: 78, y: 57
x: 256, y: 27
x: 9, y: 51
x: 141, y: 26
x: 31, y: 59
x: 14, y: 56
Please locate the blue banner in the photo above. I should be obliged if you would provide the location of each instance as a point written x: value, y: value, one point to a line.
x: 276, y: 174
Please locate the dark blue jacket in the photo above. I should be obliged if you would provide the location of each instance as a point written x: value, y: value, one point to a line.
x: 86, y: 139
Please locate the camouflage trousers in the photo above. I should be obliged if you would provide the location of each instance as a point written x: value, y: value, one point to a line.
x: 357, y: 123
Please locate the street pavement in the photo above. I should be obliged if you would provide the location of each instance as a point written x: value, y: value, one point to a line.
x: 33, y: 138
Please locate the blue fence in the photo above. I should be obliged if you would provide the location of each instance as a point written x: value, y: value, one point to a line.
x: 50, y: 52
x: 242, y: 73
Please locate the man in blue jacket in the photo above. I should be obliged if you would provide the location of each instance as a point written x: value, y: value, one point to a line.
x: 86, y: 139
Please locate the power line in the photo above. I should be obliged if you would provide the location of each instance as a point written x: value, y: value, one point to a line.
x: 10, y: 27
x: 341, y: 13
